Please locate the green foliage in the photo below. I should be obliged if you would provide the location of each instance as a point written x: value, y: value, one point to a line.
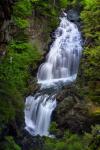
x: 92, y: 64
x: 21, y: 10
x: 89, y: 4
x: 34, y: 1
x: 53, y: 128
x: 14, y: 68
x: 91, y: 56
x: 61, y: 144
x: 92, y: 140
x: 14, y: 73
x: 21, y: 23
x: 70, y: 141
x: 69, y: 4
x: 63, y: 3
x: 10, y: 103
x: 45, y: 8
x: 10, y: 144
x: 20, y: 46
x: 75, y: 146
x: 91, y: 19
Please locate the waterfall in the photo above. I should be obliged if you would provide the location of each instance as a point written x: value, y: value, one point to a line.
x: 38, y: 113
x: 63, y: 59
x: 61, y: 66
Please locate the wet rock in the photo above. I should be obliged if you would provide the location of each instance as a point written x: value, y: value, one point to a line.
x: 70, y: 90
x: 73, y: 15
x: 33, y: 86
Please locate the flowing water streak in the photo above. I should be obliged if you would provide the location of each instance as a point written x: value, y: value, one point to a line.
x: 38, y: 113
x: 63, y: 59
x: 61, y: 66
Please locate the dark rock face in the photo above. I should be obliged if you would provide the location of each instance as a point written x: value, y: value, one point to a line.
x: 72, y: 111
x: 73, y: 15
x: 5, y: 17
x: 5, y: 9
x: 28, y: 142
x: 72, y: 115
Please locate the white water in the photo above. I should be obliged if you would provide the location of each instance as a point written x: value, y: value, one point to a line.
x: 63, y: 59
x: 61, y: 66
x: 38, y: 114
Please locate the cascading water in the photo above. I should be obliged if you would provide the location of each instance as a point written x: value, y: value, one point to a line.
x: 38, y: 113
x: 63, y: 59
x: 61, y: 66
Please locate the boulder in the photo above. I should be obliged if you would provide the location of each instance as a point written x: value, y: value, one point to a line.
x: 73, y: 15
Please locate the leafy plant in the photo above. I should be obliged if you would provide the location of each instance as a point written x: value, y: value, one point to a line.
x: 10, y: 144
x: 22, y: 9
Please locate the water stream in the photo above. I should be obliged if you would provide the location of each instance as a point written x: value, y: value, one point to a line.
x: 60, y: 67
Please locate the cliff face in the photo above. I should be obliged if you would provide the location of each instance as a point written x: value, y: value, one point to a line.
x: 5, y: 17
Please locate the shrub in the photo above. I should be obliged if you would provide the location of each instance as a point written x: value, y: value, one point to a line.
x: 10, y: 144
